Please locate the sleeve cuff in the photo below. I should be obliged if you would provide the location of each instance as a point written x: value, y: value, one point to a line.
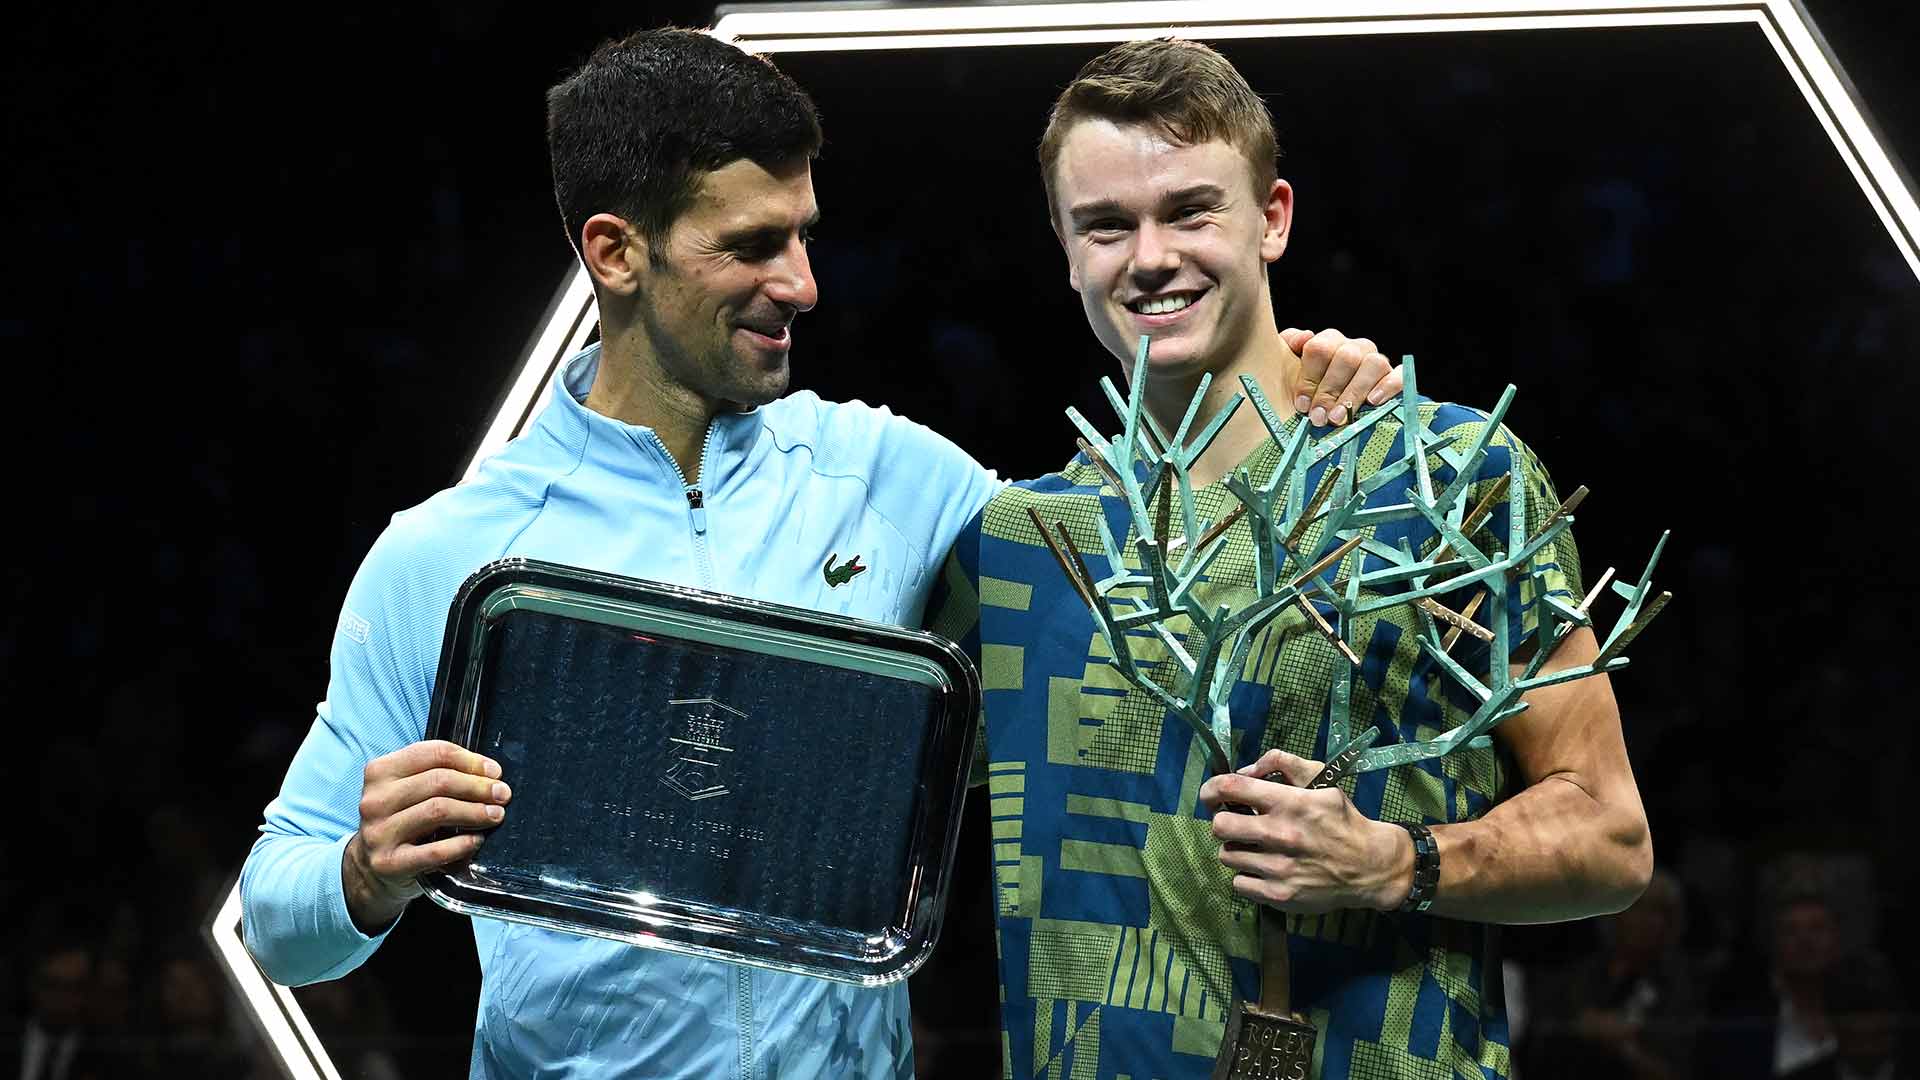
x: 300, y: 932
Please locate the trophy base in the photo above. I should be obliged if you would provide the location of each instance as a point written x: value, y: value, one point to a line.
x: 1261, y: 1045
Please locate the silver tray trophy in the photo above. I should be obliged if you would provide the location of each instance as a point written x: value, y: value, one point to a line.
x: 1304, y: 545
x: 705, y: 774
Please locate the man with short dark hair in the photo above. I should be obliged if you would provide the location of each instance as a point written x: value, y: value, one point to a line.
x: 666, y: 451
x: 1126, y: 927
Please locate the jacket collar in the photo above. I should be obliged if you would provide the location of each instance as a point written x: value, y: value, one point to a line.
x: 634, y: 449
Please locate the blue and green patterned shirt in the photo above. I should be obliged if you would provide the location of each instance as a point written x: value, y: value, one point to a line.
x: 1121, y: 942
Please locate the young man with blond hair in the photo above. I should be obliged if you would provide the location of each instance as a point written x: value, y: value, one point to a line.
x: 1126, y: 928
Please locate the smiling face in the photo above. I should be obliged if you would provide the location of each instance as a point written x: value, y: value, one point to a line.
x: 1168, y: 240
x: 718, y: 295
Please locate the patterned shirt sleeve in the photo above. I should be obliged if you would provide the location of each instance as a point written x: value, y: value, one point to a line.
x: 1556, y: 566
x: 953, y: 612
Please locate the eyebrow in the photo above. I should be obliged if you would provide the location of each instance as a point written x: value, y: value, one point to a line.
x: 1198, y: 193
x: 1084, y: 212
x: 753, y: 234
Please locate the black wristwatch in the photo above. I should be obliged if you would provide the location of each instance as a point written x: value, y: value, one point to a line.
x: 1426, y: 868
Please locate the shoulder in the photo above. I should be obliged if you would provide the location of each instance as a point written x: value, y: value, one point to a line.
x: 851, y: 431
x: 1454, y: 429
x: 919, y: 482
x: 1078, y: 478
x: 900, y: 461
x: 1072, y: 495
x: 475, y: 513
x: 1464, y: 424
x: 804, y: 418
x: 1077, y: 481
x: 426, y: 551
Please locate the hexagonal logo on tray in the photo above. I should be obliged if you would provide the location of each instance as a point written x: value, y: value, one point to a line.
x: 701, y: 733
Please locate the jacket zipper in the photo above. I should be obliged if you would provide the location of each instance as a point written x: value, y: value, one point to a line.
x: 703, y: 566
x: 696, y: 508
x: 697, y: 512
x: 743, y: 1015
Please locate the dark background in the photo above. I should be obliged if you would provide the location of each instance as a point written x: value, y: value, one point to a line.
x: 269, y: 273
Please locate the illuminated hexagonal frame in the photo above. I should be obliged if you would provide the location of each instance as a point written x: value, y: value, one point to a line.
x: 570, y: 319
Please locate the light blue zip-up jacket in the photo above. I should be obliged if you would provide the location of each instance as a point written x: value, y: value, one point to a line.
x: 778, y: 491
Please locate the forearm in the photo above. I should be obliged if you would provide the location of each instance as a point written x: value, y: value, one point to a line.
x: 1571, y: 844
x: 298, y: 921
x: 1553, y: 852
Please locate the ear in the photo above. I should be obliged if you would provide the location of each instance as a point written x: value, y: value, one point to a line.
x: 1279, y: 215
x: 614, y: 253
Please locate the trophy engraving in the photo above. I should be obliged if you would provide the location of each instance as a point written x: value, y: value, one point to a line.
x: 702, y: 735
x: 1316, y: 551
x: 1263, y: 1046
x: 693, y: 836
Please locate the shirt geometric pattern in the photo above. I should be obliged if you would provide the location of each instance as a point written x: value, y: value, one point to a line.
x: 1121, y: 942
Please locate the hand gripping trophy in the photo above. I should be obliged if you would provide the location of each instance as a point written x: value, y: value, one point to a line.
x: 1319, y: 549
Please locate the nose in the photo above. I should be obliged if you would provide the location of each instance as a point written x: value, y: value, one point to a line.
x: 791, y: 282
x: 1154, y: 259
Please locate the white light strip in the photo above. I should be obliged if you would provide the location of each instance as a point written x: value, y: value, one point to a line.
x: 1783, y: 24
x: 570, y: 322
x: 276, y: 1014
x: 571, y: 317
x: 1837, y: 108
x: 754, y: 27
x: 947, y: 40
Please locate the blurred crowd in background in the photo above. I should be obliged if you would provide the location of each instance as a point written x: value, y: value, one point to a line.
x: 1778, y: 972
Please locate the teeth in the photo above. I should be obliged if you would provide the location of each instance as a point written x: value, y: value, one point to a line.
x: 1163, y: 305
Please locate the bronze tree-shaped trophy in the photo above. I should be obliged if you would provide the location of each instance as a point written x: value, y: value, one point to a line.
x: 1172, y: 550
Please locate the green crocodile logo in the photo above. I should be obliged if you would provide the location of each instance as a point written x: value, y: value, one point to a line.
x: 840, y: 575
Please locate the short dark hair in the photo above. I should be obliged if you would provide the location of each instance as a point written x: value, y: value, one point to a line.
x: 631, y: 132
x: 1188, y: 91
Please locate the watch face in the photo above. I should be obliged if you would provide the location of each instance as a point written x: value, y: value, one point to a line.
x: 705, y: 774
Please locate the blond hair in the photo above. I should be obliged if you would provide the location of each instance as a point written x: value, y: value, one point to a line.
x: 1184, y: 88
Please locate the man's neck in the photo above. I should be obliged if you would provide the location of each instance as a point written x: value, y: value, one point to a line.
x: 1272, y: 366
x: 629, y: 386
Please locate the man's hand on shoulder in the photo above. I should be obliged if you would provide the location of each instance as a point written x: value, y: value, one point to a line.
x: 1338, y: 374
x: 406, y: 797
